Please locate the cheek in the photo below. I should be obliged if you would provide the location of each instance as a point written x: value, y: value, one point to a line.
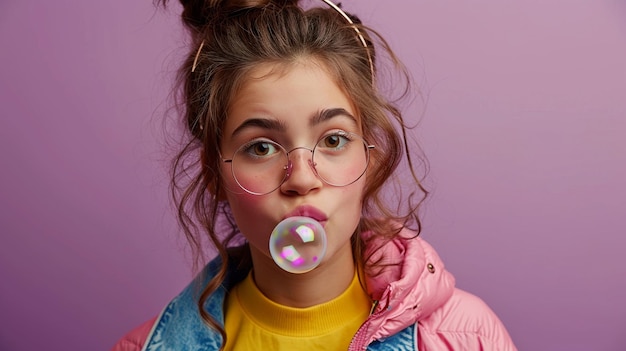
x: 354, y: 171
x: 241, y: 202
x: 352, y: 196
x: 250, y: 213
x: 228, y: 182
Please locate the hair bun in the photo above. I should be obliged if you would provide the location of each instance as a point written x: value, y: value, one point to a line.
x: 200, y: 13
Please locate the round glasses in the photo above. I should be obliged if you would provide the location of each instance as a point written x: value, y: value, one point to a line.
x: 262, y: 166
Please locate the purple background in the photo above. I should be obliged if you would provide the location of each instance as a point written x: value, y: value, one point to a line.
x: 525, y: 130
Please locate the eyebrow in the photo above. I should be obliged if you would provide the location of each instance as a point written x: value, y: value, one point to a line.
x: 327, y: 114
x: 264, y: 123
x: 279, y: 126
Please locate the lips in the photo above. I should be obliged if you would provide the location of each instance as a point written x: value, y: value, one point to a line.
x: 308, y: 211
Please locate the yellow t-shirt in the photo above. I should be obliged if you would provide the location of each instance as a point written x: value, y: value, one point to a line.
x: 253, y: 322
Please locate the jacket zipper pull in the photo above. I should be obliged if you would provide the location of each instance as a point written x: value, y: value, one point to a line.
x: 374, y: 305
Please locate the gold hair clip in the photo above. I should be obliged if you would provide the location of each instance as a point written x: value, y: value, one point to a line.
x: 336, y: 8
x: 195, y: 59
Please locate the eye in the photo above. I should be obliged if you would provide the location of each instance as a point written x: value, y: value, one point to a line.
x: 334, y: 141
x: 260, y: 148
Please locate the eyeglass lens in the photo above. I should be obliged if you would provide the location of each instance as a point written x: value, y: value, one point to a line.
x: 339, y: 159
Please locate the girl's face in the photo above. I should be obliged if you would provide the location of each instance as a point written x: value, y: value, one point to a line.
x: 289, y: 105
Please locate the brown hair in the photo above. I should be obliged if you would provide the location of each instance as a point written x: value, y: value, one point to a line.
x: 234, y: 36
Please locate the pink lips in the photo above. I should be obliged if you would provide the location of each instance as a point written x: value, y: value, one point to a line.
x: 308, y: 211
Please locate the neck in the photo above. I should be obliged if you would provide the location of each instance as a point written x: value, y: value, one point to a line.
x: 324, y: 283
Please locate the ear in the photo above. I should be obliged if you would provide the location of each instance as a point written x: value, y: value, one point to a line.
x: 374, y: 162
x: 215, y: 186
x: 212, y: 175
x: 219, y: 193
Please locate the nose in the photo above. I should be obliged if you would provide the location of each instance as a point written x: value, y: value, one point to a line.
x: 301, y: 175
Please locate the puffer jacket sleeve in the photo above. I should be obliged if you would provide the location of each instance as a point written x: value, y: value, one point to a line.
x: 135, y: 339
x: 464, y: 322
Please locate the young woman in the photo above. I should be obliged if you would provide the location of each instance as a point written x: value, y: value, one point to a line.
x: 285, y: 121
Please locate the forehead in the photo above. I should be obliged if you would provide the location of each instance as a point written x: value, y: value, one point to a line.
x: 303, y: 72
x: 298, y: 66
x: 291, y: 93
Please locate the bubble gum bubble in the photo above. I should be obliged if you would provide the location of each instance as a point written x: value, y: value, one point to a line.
x: 298, y: 244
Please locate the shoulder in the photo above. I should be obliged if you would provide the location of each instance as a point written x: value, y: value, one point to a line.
x: 136, y: 338
x: 465, y: 322
x: 179, y: 323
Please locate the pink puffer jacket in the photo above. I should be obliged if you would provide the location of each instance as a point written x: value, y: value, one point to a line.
x: 420, y: 290
x: 417, y: 291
